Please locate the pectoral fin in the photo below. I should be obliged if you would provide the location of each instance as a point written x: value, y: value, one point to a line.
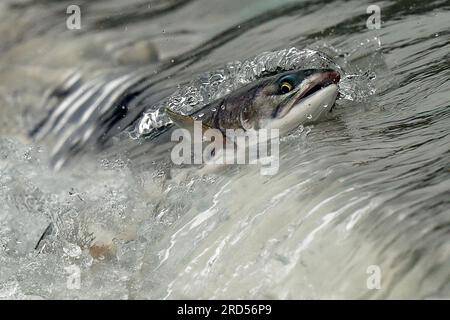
x: 184, y: 121
x: 187, y: 122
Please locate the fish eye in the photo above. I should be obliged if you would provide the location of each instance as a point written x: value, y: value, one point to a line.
x: 286, y: 87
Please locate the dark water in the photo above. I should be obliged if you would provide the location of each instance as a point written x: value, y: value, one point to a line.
x: 369, y: 189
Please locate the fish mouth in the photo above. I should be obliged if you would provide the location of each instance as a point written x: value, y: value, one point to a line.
x: 312, y: 86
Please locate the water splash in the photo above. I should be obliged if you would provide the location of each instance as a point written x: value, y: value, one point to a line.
x: 361, y: 62
x: 218, y: 83
x: 355, y: 85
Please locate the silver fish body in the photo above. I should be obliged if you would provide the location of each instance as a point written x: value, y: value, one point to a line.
x: 282, y: 101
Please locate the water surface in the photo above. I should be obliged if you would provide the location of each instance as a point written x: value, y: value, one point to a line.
x: 369, y: 188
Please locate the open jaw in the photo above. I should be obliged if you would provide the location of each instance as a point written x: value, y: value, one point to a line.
x: 310, y: 103
x: 313, y: 86
x: 320, y: 81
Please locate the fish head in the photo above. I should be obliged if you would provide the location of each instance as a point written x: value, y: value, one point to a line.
x: 287, y: 100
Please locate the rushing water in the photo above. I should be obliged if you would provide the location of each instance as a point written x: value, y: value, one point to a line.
x: 368, y: 190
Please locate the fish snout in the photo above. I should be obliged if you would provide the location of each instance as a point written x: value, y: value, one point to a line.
x: 329, y: 76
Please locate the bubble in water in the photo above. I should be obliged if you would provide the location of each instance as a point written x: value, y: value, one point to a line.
x: 72, y: 250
